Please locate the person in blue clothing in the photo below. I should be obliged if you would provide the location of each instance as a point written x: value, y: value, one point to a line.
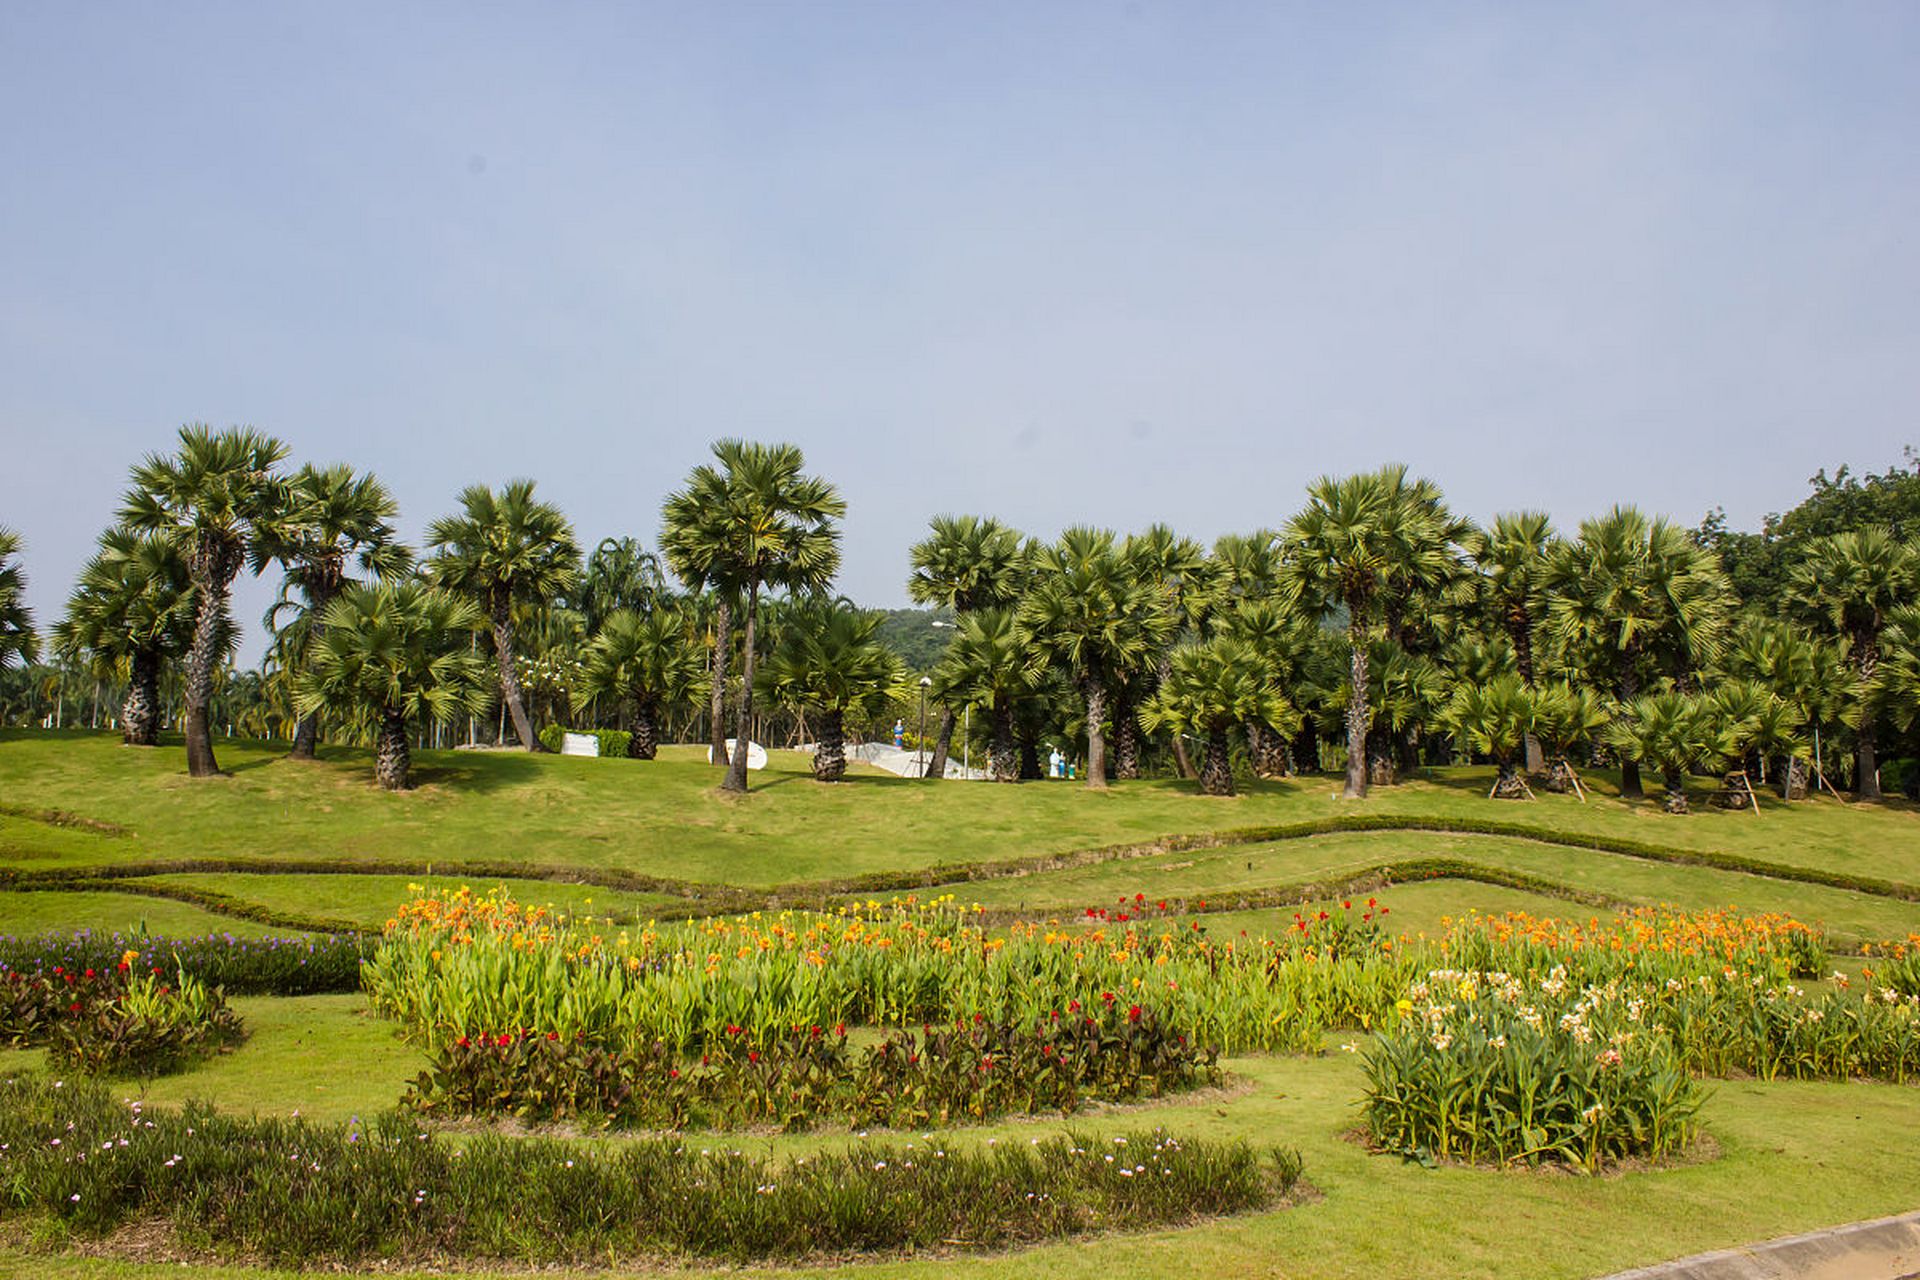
x: 899, y: 735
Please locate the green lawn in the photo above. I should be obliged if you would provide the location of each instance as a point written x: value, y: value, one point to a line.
x: 665, y: 818
x: 1786, y: 1157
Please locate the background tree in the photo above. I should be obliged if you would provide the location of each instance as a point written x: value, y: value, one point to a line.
x: 828, y: 660
x: 620, y: 574
x: 1639, y: 600
x: 334, y: 519
x: 213, y: 498
x: 1210, y: 687
x: 18, y: 641
x: 989, y: 664
x: 389, y: 655
x: 1852, y: 582
x: 1178, y: 570
x: 1495, y: 717
x: 1362, y: 544
x: 1566, y: 716
x: 752, y: 523
x: 1672, y: 733
x: 504, y: 552
x: 1086, y: 613
x: 1808, y: 676
x: 965, y: 563
x: 131, y: 611
x: 1896, y: 690
x: 646, y: 663
x: 1511, y: 559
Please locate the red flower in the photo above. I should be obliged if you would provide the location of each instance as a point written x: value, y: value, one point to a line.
x: 553, y: 1035
x: 1321, y: 916
x: 1073, y: 1006
x: 1133, y: 1014
x: 1107, y: 996
x: 1139, y: 897
x: 74, y: 1007
x: 733, y: 1030
x: 1347, y: 905
x: 673, y: 1073
x: 1162, y: 904
x: 89, y: 973
x: 840, y: 1028
x: 1202, y: 904
x: 464, y: 1042
x: 57, y: 971
x: 505, y: 1039
x: 753, y: 1055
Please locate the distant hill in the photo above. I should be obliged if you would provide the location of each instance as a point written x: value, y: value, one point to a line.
x: 911, y: 634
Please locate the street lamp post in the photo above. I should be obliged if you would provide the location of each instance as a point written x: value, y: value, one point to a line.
x: 919, y: 758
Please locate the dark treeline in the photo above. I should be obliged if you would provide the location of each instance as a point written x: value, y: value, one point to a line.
x: 1374, y: 633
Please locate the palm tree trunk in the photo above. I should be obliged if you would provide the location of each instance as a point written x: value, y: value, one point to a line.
x: 1182, y: 763
x: 1306, y: 747
x: 510, y: 679
x: 643, y: 734
x: 830, y: 757
x: 717, y: 674
x: 215, y: 567
x: 392, y: 758
x: 1357, y: 711
x: 736, y: 779
x: 1866, y: 742
x: 1095, y: 691
x: 1216, y: 775
x: 937, y: 766
x: 1030, y: 770
x: 1630, y: 786
x: 140, y: 713
x: 1126, y: 738
x: 1793, y: 781
x: 1005, y: 762
x: 1507, y: 786
x: 1676, y: 791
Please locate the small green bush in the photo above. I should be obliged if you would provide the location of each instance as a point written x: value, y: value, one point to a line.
x: 116, y: 1021
x: 613, y: 742
x: 239, y: 966
x: 299, y: 1194
x: 1484, y: 1067
x: 971, y: 1071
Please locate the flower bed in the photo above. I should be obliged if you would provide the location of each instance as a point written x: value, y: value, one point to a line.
x: 116, y: 1020
x: 295, y: 966
x: 1896, y: 965
x: 294, y: 1193
x: 971, y: 1071
x: 1491, y: 1067
x: 456, y: 964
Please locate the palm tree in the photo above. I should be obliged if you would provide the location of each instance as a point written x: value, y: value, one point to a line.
x: 1279, y: 641
x: 965, y: 563
x: 620, y: 574
x: 645, y: 662
x: 696, y: 538
x: 1852, y: 582
x: 1808, y: 676
x: 751, y: 523
x: 214, y: 499
x: 1759, y: 722
x: 1178, y: 569
x: 1086, y: 613
x: 1673, y: 732
x: 18, y: 641
x: 387, y: 655
x: 131, y: 611
x: 505, y: 551
x: 1498, y: 717
x: 1567, y: 715
x: 1210, y: 687
x: 988, y: 664
x: 1512, y: 561
x: 828, y: 660
x: 1897, y: 681
x: 1363, y: 544
x: 334, y: 519
x: 1639, y: 599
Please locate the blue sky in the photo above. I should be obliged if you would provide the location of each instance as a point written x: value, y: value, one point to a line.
x: 1061, y: 263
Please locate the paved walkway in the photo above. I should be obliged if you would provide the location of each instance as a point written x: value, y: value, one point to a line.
x: 1883, y: 1249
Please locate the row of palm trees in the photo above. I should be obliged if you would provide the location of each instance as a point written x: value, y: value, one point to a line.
x: 1374, y: 615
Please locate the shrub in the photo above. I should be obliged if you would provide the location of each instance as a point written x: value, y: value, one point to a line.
x: 971, y: 1071
x: 240, y: 966
x: 613, y: 742
x: 116, y: 1021
x: 296, y: 1193
x: 1489, y: 1067
x: 1898, y: 966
